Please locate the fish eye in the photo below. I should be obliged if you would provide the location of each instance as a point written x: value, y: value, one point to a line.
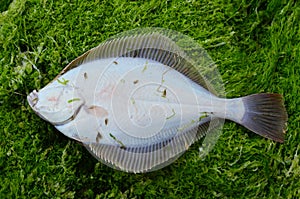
x: 72, y: 117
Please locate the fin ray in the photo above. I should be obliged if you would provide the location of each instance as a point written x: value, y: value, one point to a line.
x: 265, y: 115
x: 143, y: 159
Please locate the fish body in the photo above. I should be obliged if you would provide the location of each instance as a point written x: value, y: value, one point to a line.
x: 137, y: 106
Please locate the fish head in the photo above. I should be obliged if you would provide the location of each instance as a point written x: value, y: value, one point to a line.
x: 57, y: 104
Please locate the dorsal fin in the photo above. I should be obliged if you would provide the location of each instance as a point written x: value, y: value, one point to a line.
x: 191, y: 61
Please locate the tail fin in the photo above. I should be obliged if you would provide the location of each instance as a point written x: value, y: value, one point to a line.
x: 265, y: 115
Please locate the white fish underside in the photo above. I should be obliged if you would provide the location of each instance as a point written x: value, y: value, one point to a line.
x: 156, y: 99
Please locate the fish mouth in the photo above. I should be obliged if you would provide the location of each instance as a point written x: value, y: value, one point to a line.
x: 33, y: 98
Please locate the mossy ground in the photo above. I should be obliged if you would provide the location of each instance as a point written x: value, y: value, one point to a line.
x: 256, y: 45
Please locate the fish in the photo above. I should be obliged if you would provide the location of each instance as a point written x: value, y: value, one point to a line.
x: 140, y: 99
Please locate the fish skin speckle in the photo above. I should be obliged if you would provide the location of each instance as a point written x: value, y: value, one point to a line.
x: 99, y: 137
x: 164, y: 94
x: 85, y: 75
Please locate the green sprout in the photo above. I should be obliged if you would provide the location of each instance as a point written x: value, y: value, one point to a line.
x: 203, y: 116
x: 132, y: 101
x: 74, y: 99
x: 113, y: 137
x: 173, y: 114
x: 145, y: 67
x: 63, y: 81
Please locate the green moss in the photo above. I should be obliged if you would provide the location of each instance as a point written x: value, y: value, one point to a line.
x: 256, y: 45
x: 4, y: 5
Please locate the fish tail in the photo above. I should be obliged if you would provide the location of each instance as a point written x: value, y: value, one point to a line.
x: 265, y: 115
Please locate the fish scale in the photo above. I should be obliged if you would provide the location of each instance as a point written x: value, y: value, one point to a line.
x: 138, y: 101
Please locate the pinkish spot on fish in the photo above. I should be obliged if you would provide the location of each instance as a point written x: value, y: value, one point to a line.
x: 98, y: 111
x: 106, y: 92
x: 52, y: 99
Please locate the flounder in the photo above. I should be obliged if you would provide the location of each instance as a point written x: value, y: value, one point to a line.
x: 140, y: 99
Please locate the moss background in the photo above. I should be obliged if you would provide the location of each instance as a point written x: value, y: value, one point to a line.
x: 256, y: 44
